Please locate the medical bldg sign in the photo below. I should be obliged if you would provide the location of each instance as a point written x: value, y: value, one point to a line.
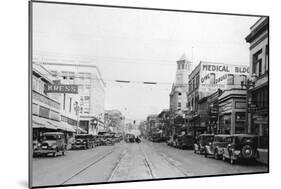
x: 58, y: 88
x: 215, y: 76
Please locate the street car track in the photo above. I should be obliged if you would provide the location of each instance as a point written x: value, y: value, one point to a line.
x: 148, y: 165
x: 175, y: 165
x: 88, y: 166
x: 123, y: 154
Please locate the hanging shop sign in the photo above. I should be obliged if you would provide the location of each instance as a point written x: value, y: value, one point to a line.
x: 58, y: 88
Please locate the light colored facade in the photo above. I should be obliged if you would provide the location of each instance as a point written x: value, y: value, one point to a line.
x: 178, y: 95
x: 258, y: 117
x: 91, y: 92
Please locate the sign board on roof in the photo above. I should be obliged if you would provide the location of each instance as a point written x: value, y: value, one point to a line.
x: 58, y: 88
x: 214, y: 76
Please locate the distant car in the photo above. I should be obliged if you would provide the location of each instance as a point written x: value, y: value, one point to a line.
x: 185, y: 141
x: 215, y: 148
x: 51, y: 143
x: 201, y: 141
x: 242, y: 146
x: 83, y: 141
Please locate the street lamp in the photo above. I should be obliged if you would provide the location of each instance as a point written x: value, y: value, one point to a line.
x: 77, y: 110
x: 248, y: 83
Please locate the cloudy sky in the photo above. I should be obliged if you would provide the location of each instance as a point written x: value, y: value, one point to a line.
x: 137, y: 45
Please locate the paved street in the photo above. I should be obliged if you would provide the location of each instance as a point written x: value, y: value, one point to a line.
x: 130, y: 161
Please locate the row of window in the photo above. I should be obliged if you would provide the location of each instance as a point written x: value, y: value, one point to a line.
x: 260, y: 98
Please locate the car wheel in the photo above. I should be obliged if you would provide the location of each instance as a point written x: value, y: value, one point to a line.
x: 205, y: 154
x: 216, y: 155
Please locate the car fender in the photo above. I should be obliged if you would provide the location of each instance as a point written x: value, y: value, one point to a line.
x: 208, y: 149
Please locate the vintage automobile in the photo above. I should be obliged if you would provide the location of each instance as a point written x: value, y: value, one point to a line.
x: 129, y: 137
x: 242, y: 146
x: 184, y: 141
x: 51, y: 143
x: 215, y: 148
x: 201, y: 141
x: 83, y: 141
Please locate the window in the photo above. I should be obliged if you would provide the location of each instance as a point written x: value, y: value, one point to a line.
x: 182, y: 66
x: 193, y: 83
x: 230, y: 79
x: 197, y: 81
x: 240, y: 116
x: 179, y: 66
x: 257, y: 63
x: 266, y: 58
x: 70, y: 101
x: 64, y: 101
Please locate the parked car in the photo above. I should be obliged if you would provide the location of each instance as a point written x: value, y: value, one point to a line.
x: 215, y: 148
x: 83, y: 141
x: 51, y: 143
x: 185, y: 141
x: 170, y: 141
x: 242, y: 146
x: 201, y: 141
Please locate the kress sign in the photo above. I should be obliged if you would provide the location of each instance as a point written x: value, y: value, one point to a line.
x: 58, y: 88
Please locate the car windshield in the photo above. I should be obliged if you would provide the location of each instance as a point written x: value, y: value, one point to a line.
x: 80, y: 137
x: 219, y: 139
x: 207, y: 138
x: 49, y: 137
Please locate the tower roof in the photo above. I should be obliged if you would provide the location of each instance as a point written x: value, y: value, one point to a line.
x: 183, y: 57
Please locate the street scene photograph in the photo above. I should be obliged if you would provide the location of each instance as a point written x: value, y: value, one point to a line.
x: 123, y: 94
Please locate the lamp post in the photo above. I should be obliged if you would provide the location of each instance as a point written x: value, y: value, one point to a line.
x: 77, y: 109
x: 248, y: 83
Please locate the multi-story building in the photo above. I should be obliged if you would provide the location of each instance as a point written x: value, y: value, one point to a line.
x: 178, y: 98
x: 89, y: 102
x: 206, y: 79
x: 46, y: 107
x: 258, y: 117
x: 232, y: 111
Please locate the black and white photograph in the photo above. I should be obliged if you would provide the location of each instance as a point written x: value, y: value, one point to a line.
x: 126, y: 94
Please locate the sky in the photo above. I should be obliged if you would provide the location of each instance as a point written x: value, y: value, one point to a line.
x: 138, y: 45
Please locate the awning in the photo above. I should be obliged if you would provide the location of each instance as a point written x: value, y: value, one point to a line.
x: 82, y: 130
x: 38, y: 122
x: 67, y: 127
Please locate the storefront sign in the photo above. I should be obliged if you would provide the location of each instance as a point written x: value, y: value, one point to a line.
x: 57, y: 88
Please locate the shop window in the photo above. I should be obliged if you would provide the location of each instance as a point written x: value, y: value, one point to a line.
x: 70, y: 101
